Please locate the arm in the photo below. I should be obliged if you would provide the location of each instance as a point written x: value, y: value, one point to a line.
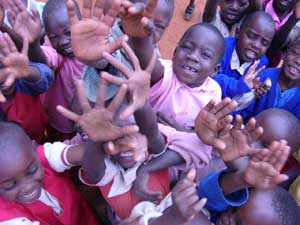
x: 143, y: 48
x: 93, y: 162
x: 147, y: 122
x: 210, y: 10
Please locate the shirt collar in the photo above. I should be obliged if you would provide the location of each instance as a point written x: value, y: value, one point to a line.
x: 270, y: 9
x: 235, y: 63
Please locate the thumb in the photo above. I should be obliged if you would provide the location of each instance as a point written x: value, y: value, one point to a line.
x: 191, y: 175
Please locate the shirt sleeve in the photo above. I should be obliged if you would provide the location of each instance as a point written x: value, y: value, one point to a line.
x: 39, y: 86
x: 231, y: 86
x: 111, y: 171
x: 20, y: 221
x: 56, y: 154
x: 216, y: 200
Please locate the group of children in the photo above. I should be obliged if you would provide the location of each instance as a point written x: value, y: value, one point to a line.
x: 89, y: 109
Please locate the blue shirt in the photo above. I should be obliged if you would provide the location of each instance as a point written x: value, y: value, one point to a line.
x: 38, y: 87
x: 217, y: 201
x: 275, y: 98
x: 231, y: 81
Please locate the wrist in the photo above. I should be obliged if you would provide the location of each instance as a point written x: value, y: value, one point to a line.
x: 231, y: 182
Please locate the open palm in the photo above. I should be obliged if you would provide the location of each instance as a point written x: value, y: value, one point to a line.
x: 90, y: 36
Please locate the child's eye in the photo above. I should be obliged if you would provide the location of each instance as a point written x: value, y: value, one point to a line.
x: 159, y: 26
x: 8, y: 186
x: 33, y: 169
x: 265, y: 43
x: 186, y: 45
x: 251, y: 35
x: 206, y: 55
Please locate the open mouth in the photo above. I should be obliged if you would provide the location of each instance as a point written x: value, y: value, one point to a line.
x: 294, y: 70
x: 251, y: 54
x: 31, y: 196
x: 189, y: 68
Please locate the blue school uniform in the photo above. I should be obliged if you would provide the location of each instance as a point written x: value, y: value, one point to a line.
x: 230, y: 80
x: 217, y: 201
x: 275, y: 98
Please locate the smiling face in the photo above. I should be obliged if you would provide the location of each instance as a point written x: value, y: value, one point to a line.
x: 291, y: 67
x: 233, y: 10
x: 21, y: 173
x: 254, y: 39
x: 197, y: 56
x: 58, y: 30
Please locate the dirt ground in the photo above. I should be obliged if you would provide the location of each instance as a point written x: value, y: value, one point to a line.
x: 178, y: 26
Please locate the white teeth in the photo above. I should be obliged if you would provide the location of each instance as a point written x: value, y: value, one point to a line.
x: 126, y: 154
x: 189, y: 68
x: 294, y: 69
x: 31, y: 194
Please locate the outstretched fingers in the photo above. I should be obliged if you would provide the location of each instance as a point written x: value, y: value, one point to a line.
x: 152, y: 63
x: 120, y: 66
x: 68, y: 114
x: 113, y: 79
x: 112, y: 13
x: 118, y: 99
x: 83, y: 101
x: 98, y: 9
x: 72, y: 12
x: 132, y: 57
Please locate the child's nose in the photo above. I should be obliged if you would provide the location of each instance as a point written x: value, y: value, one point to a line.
x: 64, y: 40
x: 193, y: 56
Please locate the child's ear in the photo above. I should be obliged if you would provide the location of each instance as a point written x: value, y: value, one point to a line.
x: 216, y: 69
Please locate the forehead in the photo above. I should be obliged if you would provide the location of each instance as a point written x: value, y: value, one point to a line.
x: 210, y: 39
x: 162, y: 10
x: 260, y: 25
x: 230, y: 2
x: 15, y: 162
x: 57, y: 20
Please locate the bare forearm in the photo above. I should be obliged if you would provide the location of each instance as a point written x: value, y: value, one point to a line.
x: 75, y: 154
x: 93, y: 161
x: 282, y: 35
x: 210, y: 10
x: 36, y: 53
x: 168, y: 159
x: 147, y: 122
x: 232, y: 181
x: 143, y: 48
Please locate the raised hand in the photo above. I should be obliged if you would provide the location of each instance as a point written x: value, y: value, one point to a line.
x: 262, y: 88
x: 136, y: 18
x: 212, y: 119
x: 238, y: 139
x: 98, y: 122
x: 251, y: 76
x: 15, y: 64
x: 186, y: 203
x: 90, y: 35
x: 264, y: 168
x: 138, y: 80
x: 24, y: 24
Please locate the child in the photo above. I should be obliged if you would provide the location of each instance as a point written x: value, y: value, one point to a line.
x: 284, y: 92
x: 22, y: 83
x: 286, y: 15
x: 162, y: 16
x: 33, y: 188
x: 231, y: 14
x: 252, y: 42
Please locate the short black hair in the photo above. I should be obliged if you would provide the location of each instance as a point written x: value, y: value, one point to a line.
x: 52, y: 6
x: 292, y: 124
x: 253, y: 16
x: 285, y: 206
x: 211, y: 28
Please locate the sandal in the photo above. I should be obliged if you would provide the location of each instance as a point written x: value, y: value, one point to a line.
x: 188, y: 14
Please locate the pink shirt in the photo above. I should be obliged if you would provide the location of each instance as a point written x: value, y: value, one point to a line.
x: 278, y: 23
x: 62, y: 91
x: 176, y: 100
